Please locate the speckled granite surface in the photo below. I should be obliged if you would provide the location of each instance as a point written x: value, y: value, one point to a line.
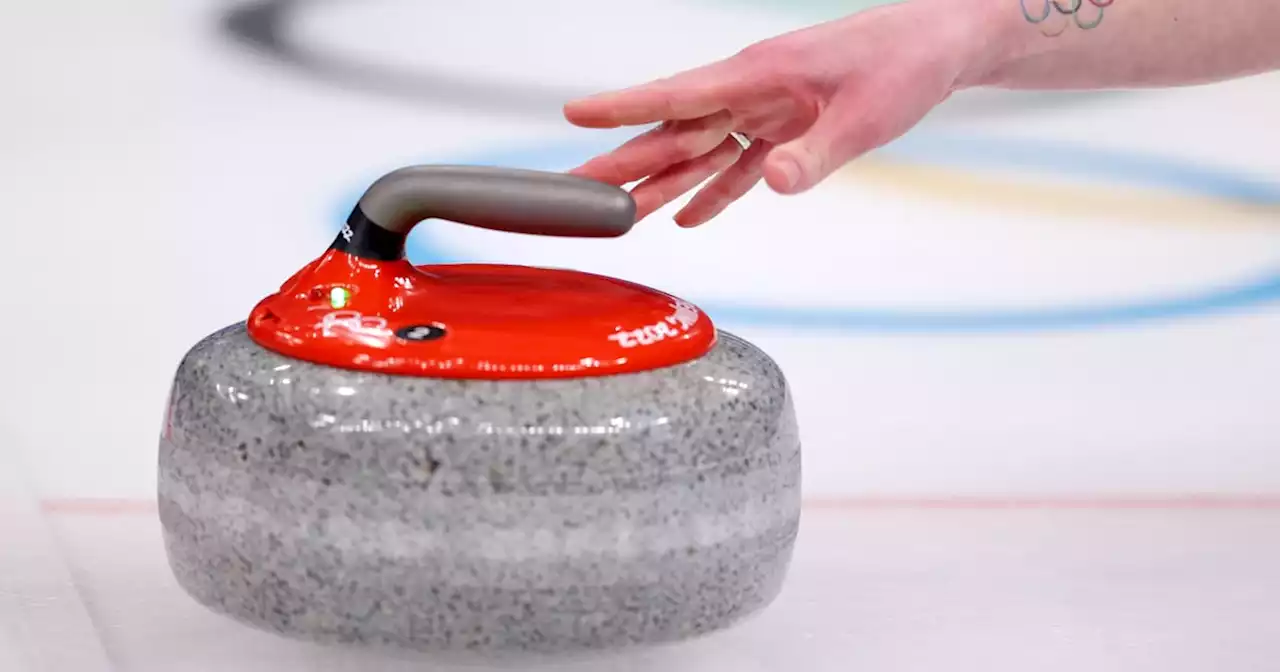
x: 552, y: 515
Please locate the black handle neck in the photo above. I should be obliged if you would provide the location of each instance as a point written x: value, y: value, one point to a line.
x: 361, y: 237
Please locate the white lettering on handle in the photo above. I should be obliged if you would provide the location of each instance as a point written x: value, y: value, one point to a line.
x: 371, y: 330
x: 685, y: 315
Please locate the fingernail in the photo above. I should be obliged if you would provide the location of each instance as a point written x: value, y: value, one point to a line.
x: 790, y: 170
x: 686, y: 219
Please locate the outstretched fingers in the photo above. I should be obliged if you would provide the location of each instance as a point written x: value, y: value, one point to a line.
x: 726, y: 188
x: 688, y: 95
x: 674, y: 182
x: 658, y: 149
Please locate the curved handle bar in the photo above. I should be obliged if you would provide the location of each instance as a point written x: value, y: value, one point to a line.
x: 501, y: 199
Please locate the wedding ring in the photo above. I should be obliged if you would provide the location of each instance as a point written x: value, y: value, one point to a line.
x: 743, y: 141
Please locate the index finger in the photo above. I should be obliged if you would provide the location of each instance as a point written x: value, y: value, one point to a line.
x: 688, y: 95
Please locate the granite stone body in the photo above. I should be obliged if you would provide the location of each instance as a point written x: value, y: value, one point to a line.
x: 431, y: 514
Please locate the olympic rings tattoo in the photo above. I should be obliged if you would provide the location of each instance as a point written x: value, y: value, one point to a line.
x: 1070, y: 8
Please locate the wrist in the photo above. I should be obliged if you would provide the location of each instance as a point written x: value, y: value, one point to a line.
x: 997, y: 35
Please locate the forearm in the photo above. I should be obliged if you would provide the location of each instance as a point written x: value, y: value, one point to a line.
x: 1138, y: 43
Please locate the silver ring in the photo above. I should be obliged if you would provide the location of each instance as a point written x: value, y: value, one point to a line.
x: 743, y: 141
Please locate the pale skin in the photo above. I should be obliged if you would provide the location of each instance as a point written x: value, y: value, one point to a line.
x: 816, y: 99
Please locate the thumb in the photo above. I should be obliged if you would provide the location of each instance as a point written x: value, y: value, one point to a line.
x: 843, y: 132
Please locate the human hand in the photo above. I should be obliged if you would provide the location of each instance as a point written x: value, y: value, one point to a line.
x: 810, y: 101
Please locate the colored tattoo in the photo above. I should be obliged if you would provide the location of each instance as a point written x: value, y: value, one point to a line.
x: 1071, y: 11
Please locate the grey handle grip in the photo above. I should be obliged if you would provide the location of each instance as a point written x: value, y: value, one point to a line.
x: 502, y: 199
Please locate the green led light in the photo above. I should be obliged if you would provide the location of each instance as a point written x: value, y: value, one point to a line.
x: 339, y: 297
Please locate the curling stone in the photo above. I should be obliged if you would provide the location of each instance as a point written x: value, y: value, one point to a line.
x: 474, y: 457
